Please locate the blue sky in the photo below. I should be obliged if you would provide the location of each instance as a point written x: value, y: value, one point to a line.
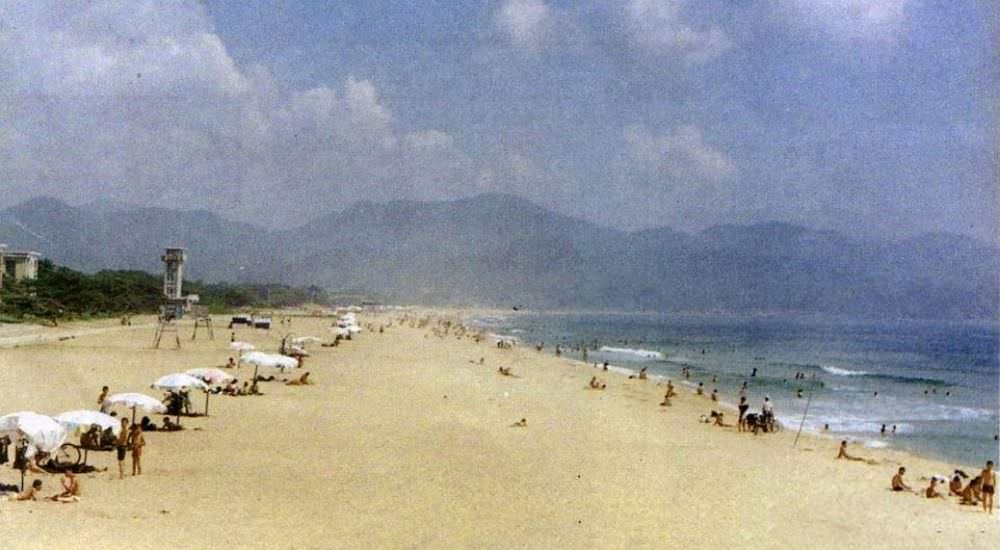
x: 871, y: 117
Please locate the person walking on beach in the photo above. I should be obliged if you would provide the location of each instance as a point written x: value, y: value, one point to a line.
x: 138, y: 442
x: 121, y: 445
x: 100, y: 400
x: 743, y: 407
x: 988, y: 485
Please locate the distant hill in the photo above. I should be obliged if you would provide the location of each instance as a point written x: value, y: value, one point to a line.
x: 499, y: 250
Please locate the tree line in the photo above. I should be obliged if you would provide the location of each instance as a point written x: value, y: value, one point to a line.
x: 61, y: 293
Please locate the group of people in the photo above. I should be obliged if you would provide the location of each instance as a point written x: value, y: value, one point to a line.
x: 979, y: 490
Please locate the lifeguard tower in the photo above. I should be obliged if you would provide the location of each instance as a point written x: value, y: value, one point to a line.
x: 173, y: 307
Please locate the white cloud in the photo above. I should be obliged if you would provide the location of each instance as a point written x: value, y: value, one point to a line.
x: 526, y: 23
x: 680, y: 155
x: 143, y: 103
x: 850, y: 19
x: 659, y: 28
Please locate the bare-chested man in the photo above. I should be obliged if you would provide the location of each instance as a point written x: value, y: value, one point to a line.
x: 988, y: 486
x: 897, y: 481
x: 843, y: 454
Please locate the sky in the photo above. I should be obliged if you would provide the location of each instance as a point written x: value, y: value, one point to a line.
x: 869, y: 117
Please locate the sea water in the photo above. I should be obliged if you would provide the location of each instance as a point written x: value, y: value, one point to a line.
x: 937, y: 383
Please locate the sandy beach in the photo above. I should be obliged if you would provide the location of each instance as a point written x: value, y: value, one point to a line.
x: 405, y: 441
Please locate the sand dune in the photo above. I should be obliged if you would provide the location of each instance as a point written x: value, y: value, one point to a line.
x: 405, y: 443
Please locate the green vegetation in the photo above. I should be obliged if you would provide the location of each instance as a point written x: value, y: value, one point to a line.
x: 61, y: 293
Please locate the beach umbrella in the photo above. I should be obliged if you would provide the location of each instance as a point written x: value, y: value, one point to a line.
x: 136, y: 401
x: 82, y: 420
x: 241, y: 346
x: 211, y: 375
x: 181, y: 381
x: 261, y: 359
x: 41, y: 432
x: 339, y: 331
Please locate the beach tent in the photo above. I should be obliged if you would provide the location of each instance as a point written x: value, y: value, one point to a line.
x: 136, y: 401
x: 41, y: 432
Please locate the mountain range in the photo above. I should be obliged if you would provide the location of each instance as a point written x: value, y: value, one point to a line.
x: 501, y: 250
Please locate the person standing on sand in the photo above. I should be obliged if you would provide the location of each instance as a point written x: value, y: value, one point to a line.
x: 988, y: 486
x: 138, y: 442
x: 100, y: 400
x: 121, y: 445
x: 743, y: 407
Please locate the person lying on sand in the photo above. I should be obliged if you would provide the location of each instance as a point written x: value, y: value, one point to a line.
x: 897, y: 481
x: 300, y: 381
x: 522, y: 423
x: 31, y: 493
x: 505, y: 371
x: 596, y: 384
x: 842, y: 453
x: 719, y: 420
x: 71, y: 489
x: 170, y: 426
x: 931, y: 490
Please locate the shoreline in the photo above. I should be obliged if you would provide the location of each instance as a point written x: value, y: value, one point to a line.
x: 408, y: 441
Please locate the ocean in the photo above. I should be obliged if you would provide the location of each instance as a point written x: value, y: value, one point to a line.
x: 937, y: 383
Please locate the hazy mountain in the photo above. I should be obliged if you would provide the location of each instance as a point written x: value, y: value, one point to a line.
x: 502, y: 250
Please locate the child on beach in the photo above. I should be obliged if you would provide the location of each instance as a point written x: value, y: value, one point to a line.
x: 138, y: 442
x: 71, y: 489
x: 931, y: 490
x: 100, y: 400
x: 121, y: 445
x: 987, y: 486
x: 897, y: 481
x: 31, y: 493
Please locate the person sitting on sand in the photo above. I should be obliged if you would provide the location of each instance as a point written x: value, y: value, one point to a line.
x: 231, y: 364
x: 931, y: 490
x: 897, y: 481
x: 522, y: 423
x: 245, y: 390
x: 843, y: 453
x: 955, y: 487
x: 91, y: 439
x: 170, y: 425
x: 300, y: 381
x: 701, y: 389
x: 642, y: 373
x: 232, y: 387
x: 971, y: 495
x: 71, y: 489
x: 596, y: 384
x: 715, y: 394
x: 505, y: 371
x: 31, y: 493
x: 147, y: 424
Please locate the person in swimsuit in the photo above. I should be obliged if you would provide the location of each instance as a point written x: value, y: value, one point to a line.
x: 121, y: 445
x: 31, y: 493
x: 843, y: 453
x: 743, y: 407
x: 897, y: 481
x: 138, y: 442
x: 71, y: 489
x: 987, y: 486
x: 100, y: 400
x: 931, y: 491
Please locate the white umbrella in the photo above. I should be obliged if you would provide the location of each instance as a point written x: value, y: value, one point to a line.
x: 339, y: 331
x: 42, y: 432
x: 179, y: 381
x: 262, y: 359
x: 241, y: 346
x: 82, y: 420
x: 136, y: 401
x: 211, y: 375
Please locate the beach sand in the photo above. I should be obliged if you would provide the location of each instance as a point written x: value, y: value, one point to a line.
x: 405, y: 442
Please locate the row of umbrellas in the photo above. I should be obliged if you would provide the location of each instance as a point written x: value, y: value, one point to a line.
x: 47, y: 433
